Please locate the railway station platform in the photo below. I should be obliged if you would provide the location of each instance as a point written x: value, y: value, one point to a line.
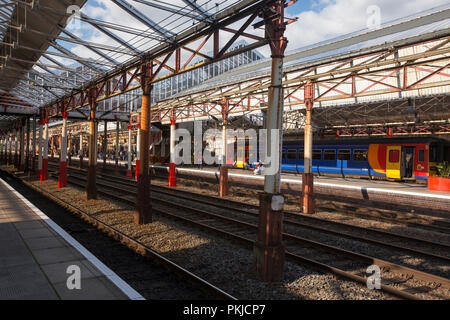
x: 41, y: 261
x: 411, y: 196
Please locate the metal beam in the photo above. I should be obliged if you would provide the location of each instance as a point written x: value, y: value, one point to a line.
x: 144, y: 19
x: 109, y: 33
x: 198, y: 9
x: 75, y: 57
x: 174, y: 9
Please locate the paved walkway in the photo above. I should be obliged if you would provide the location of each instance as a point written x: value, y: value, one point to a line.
x: 35, y: 255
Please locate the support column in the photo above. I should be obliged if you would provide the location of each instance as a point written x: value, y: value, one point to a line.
x: 91, y: 184
x: 52, y: 146
x: 69, y: 149
x: 40, y: 146
x: 138, y: 151
x: 172, y: 165
x: 22, y: 147
x: 307, y: 176
x: 11, y: 157
x: 33, y: 157
x: 2, y: 157
x: 129, y: 170
x: 105, y: 143
x: 81, y: 148
x: 27, y: 151
x: 143, y: 213
x: 44, y: 170
x: 5, y: 149
x: 62, y: 179
x: 223, y: 186
x: 116, y: 156
x: 16, y: 148
x: 269, y: 250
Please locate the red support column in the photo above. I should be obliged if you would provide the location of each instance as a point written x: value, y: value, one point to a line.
x: 62, y: 179
x: 223, y: 185
x: 223, y: 188
x: 307, y: 176
x: 44, y: 170
x: 105, y: 143
x: 22, y: 146
x: 143, y: 212
x: 129, y: 170
x: 16, y: 148
x: 91, y: 183
x: 269, y: 251
x: 116, y: 151
x: 138, y: 151
x: 172, y: 165
x: 81, y: 148
x: 27, y: 148
x: 40, y: 144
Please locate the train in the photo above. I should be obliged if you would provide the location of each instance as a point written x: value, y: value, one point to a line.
x: 376, y: 158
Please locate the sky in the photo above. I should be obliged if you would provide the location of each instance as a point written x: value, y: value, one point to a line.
x: 318, y: 20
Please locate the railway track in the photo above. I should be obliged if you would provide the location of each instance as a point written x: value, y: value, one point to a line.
x: 374, y: 236
x: 419, y: 220
x: 210, y: 290
x: 398, y: 280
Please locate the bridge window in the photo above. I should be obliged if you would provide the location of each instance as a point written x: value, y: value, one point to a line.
x: 344, y: 154
x: 359, y: 155
x: 317, y: 154
x: 292, y: 154
x: 394, y: 155
x: 329, y: 154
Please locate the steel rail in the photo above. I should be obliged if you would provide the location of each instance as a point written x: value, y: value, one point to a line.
x: 132, y: 243
x: 418, y: 274
x: 237, y: 206
x: 250, y: 242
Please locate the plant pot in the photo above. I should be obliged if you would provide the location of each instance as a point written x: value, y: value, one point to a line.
x: 439, y: 184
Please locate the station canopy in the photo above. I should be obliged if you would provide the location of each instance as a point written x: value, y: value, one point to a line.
x: 54, y: 48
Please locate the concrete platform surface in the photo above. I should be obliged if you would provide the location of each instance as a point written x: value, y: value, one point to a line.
x: 40, y: 261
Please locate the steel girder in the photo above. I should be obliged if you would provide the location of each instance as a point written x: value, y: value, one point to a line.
x: 126, y: 79
x: 418, y: 65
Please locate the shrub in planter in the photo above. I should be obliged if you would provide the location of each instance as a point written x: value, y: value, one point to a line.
x: 440, y: 182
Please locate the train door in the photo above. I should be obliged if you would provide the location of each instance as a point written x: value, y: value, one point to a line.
x: 393, y: 162
x: 421, y: 162
x: 407, y: 167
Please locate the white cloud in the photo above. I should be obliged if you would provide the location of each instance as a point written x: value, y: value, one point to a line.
x: 340, y: 17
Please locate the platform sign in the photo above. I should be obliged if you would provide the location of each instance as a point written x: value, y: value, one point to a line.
x: 135, y: 119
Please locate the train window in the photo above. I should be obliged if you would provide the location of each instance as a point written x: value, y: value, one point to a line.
x: 329, y: 154
x: 359, y: 155
x: 317, y: 154
x: 301, y: 154
x: 421, y: 156
x: 394, y: 155
x: 343, y: 154
x: 284, y: 154
x: 292, y: 154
